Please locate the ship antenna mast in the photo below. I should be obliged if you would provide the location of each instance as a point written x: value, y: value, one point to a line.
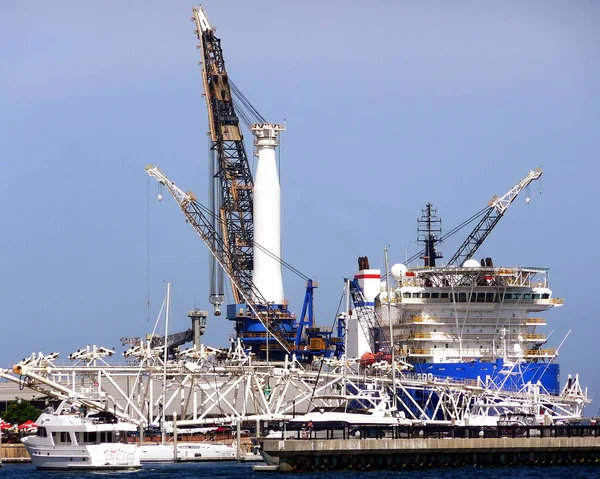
x: 429, y: 232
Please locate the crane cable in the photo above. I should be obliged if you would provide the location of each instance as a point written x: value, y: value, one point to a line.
x: 250, y: 115
x: 244, y: 108
x: 291, y: 268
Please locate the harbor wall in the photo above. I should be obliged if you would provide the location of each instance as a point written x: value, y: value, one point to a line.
x: 335, y: 454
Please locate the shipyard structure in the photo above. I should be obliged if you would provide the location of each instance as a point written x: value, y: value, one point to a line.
x: 438, y: 343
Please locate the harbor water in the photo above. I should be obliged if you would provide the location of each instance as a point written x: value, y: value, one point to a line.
x: 233, y: 470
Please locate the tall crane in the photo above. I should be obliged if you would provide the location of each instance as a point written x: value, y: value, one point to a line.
x: 490, y: 219
x: 234, y: 227
x: 199, y: 217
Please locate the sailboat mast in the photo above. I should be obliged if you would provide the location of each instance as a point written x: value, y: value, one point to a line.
x: 347, y: 320
x: 389, y: 315
x: 166, y: 349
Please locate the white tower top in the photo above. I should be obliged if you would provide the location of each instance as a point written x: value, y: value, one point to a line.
x: 266, y: 134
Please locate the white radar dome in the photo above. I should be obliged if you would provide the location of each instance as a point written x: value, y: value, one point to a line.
x: 398, y: 271
x: 471, y: 263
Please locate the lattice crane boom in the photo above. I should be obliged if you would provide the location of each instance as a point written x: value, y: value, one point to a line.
x: 497, y: 208
x: 194, y: 214
x: 232, y: 171
x: 502, y: 204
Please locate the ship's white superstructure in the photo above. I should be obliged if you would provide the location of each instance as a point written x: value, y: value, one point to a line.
x: 460, y: 314
x: 473, y: 318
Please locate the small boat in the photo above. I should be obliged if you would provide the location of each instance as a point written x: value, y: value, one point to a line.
x: 67, y: 439
x: 187, y: 451
x: 360, y: 414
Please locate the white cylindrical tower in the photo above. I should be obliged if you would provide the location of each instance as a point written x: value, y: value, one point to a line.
x: 266, y: 275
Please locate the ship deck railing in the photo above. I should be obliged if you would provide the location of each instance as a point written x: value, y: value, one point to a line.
x: 451, y: 321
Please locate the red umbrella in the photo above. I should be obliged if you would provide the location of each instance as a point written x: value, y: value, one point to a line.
x: 5, y: 425
x: 28, y: 425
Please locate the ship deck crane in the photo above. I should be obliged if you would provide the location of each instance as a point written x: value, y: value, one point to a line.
x: 489, y: 218
x: 234, y: 231
x: 241, y: 279
x: 496, y: 210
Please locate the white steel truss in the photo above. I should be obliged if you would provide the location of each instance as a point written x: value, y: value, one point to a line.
x: 212, y: 391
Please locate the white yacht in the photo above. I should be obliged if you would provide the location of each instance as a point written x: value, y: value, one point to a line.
x: 361, y: 414
x: 67, y: 440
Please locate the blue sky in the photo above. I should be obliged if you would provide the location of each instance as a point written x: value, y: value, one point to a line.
x: 389, y: 105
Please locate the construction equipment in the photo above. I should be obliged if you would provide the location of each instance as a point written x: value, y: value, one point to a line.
x: 196, y: 215
x: 234, y: 231
x: 489, y: 218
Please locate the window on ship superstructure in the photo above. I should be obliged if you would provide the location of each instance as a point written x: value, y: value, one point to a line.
x: 106, y: 436
x: 61, y: 437
x: 42, y: 432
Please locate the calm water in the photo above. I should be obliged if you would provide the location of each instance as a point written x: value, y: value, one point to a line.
x: 225, y: 470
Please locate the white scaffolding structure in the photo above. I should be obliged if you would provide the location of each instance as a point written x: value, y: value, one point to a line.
x: 207, y: 390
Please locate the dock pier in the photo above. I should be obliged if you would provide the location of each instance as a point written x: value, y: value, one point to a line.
x: 484, y: 447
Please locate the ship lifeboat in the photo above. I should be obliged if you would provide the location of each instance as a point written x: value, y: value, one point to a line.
x: 367, y: 359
